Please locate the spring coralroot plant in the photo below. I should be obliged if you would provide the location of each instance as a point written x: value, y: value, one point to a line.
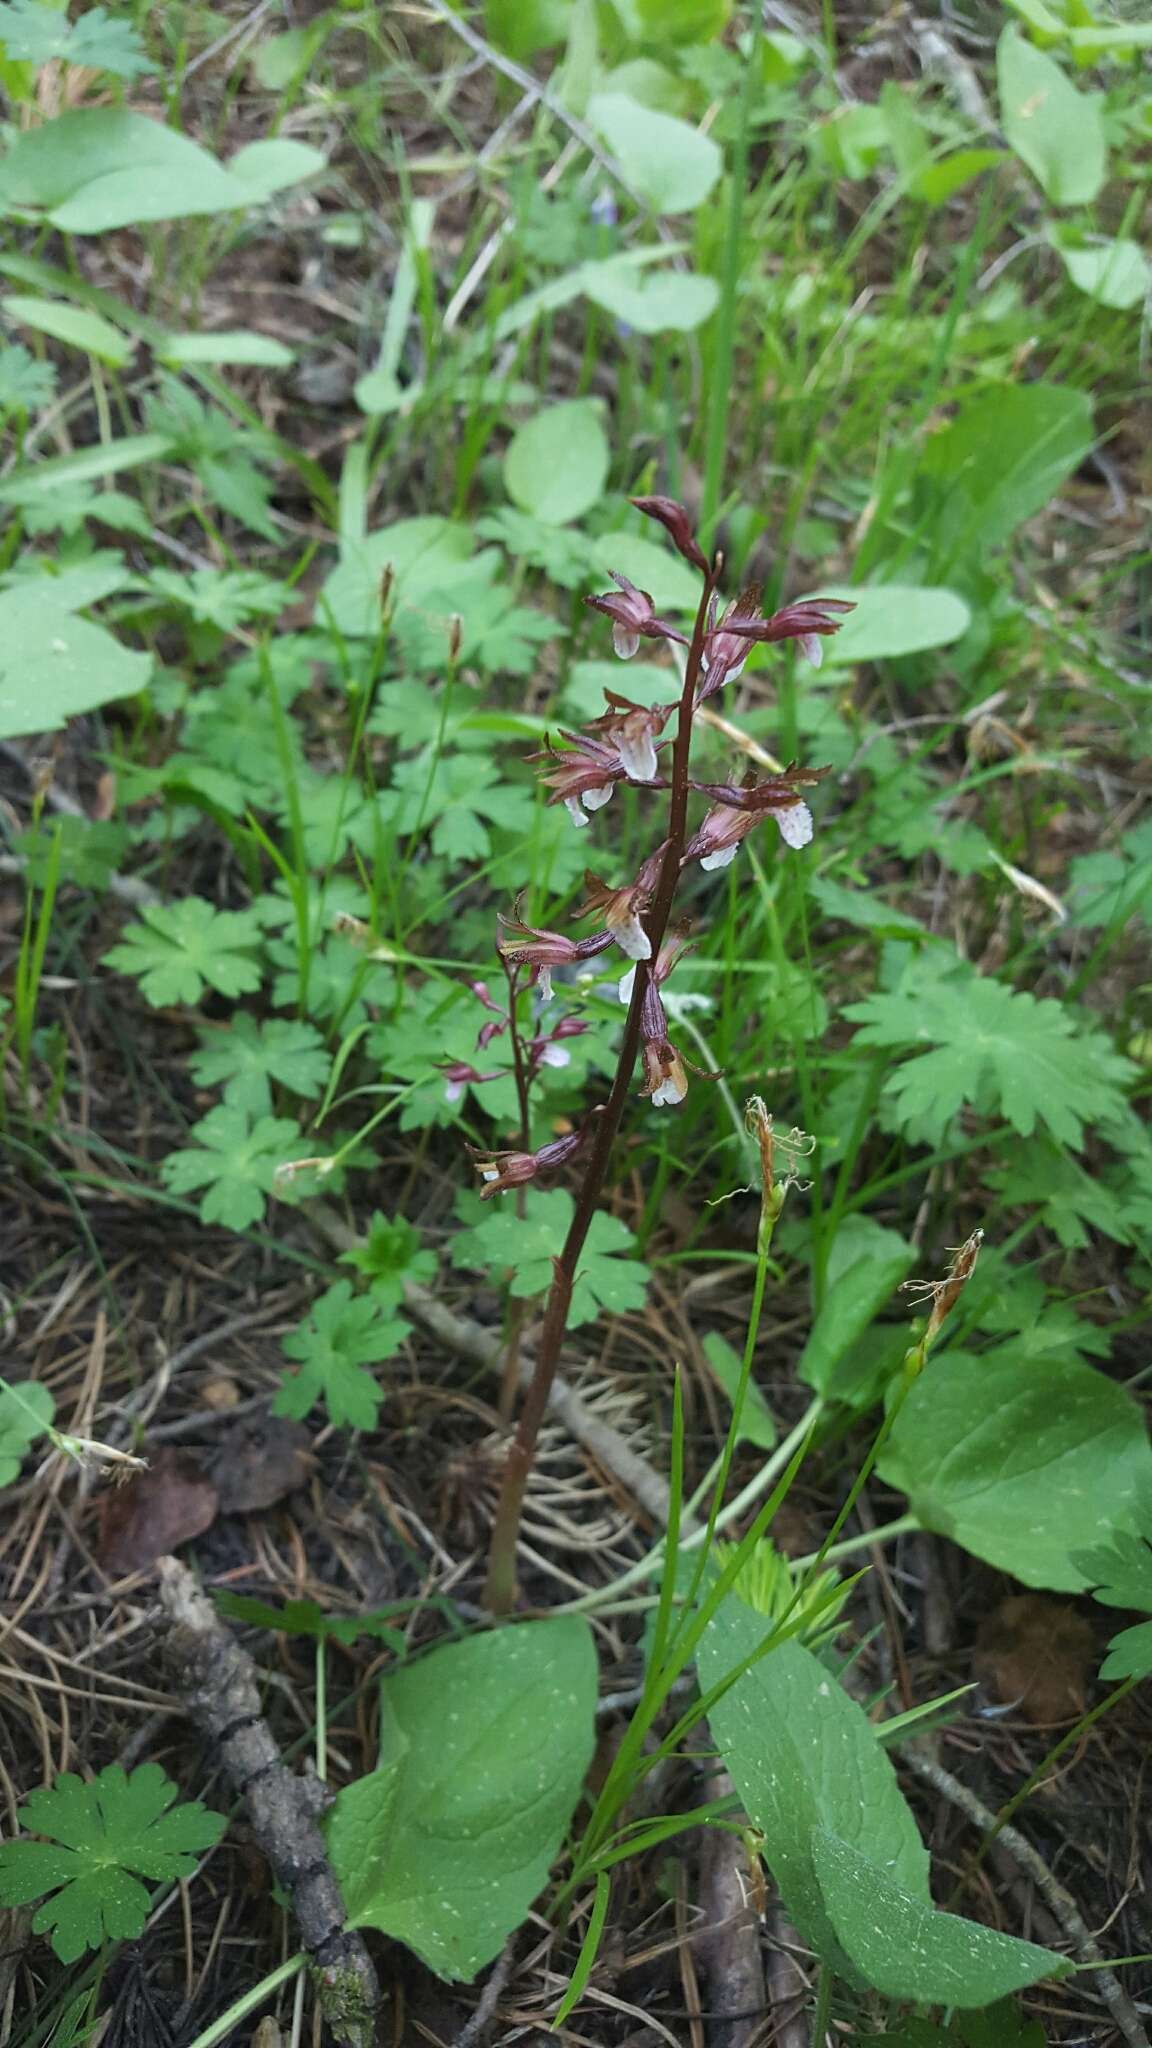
x: 628, y: 744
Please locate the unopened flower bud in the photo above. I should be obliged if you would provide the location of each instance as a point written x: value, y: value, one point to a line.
x: 675, y: 521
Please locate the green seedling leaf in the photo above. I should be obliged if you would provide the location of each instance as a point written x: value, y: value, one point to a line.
x: 993, y: 2026
x: 1025, y: 1462
x: 1107, y: 888
x: 87, y: 465
x: 998, y: 1052
x: 246, y: 1057
x: 25, y: 383
x: 610, y: 1279
x: 755, y: 1423
x: 522, y: 27
x: 1110, y: 269
x: 53, y: 666
x: 865, y: 1267
x: 940, y: 181
x: 1072, y: 1201
x: 32, y: 33
x: 80, y: 583
x: 226, y: 345
x: 224, y: 598
x: 1001, y: 459
x: 667, y: 162
x: 557, y: 465
x: 1120, y: 1575
x: 342, y: 1334
x: 235, y: 1160
x: 484, y: 1747
x: 894, y: 619
x: 26, y: 1411
x: 388, y: 1256
x: 264, y: 168
x: 101, y: 1833
x: 862, y: 908
x: 804, y: 1758
x: 682, y: 21
x: 96, y: 168
x: 74, y: 325
x: 900, y: 1945
x: 179, y: 949
x: 1054, y: 129
x: 1129, y: 1654
x: 652, y: 301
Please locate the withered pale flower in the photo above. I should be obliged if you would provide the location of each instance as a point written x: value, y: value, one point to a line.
x: 665, y: 1081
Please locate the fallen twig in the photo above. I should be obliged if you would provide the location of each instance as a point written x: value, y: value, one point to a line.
x: 1063, y: 1905
x: 737, y: 1998
x: 475, y: 2030
x: 217, y: 1683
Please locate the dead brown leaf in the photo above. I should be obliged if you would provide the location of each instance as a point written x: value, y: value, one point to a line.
x: 263, y: 1458
x: 154, y: 1513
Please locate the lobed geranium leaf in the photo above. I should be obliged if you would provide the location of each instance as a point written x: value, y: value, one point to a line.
x: 101, y: 1833
x: 342, y: 1334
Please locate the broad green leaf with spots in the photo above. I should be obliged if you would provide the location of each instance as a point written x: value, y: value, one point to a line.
x: 1026, y: 1461
x: 838, y: 1835
x: 483, y: 1749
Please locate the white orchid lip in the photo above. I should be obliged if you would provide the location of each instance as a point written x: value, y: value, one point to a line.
x: 453, y: 1091
x: 595, y: 799
x: 575, y: 811
x: 555, y: 1056
x: 795, y: 823
x: 627, y: 984
x: 489, y: 1173
x: 669, y: 1093
x: 638, y: 757
x: 544, y: 984
x: 631, y: 938
x: 625, y: 642
x: 722, y: 858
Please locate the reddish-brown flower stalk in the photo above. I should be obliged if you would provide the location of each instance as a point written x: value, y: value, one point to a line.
x: 636, y: 917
